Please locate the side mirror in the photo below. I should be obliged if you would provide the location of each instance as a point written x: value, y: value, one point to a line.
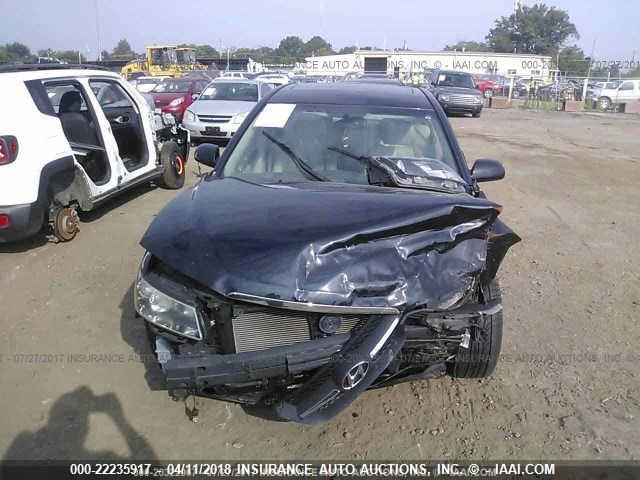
x: 485, y: 170
x: 194, y: 96
x: 207, y: 154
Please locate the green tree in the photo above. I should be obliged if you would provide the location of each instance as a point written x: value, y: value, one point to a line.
x: 202, y: 50
x: 317, y: 46
x: 206, y: 51
x: 349, y: 49
x: 537, y: 30
x: 291, y: 49
x: 15, y: 52
x: 571, y: 60
x: 69, y: 56
x: 266, y: 55
x: 245, y: 53
x: 123, y: 49
x: 468, y: 46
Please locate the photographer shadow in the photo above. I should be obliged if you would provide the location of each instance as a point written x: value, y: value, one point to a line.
x: 134, y: 333
x: 67, y: 429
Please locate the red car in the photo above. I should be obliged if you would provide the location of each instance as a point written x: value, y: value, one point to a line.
x: 487, y: 87
x: 174, y: 95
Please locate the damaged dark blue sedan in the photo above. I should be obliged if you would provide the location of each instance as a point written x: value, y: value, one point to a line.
x: 340, y: 244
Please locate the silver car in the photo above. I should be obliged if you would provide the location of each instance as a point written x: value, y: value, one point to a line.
x: 221, y: 108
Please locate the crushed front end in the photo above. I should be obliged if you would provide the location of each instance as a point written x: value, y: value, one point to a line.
x: 298, y: 310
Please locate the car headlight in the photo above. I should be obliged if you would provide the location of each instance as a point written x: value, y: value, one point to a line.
x: 477, y: 99
x: 176, y: 101
x: 166, y: 312
x: 189, y: 115
x: 238, y: 118
x: 444, y: 98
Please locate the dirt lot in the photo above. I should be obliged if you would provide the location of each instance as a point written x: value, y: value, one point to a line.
x: 567, y: 387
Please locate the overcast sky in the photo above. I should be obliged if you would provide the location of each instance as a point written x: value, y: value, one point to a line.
x: 425, y: 25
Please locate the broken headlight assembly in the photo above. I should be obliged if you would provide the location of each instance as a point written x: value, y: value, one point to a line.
x: 165, y: 311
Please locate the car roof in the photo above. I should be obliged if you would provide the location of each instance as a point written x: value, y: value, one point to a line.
x: 449, y: 72
x: 352, y: 93
x: 37, y: 74
x: 235, y: 80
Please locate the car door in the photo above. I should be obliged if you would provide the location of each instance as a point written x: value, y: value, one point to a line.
x: 625, y: 92
x: 94, y: 147
x: 126, y: 125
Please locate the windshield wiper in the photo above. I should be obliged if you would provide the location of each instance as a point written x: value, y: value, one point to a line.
x: 301, y: 164
x: 366, y: 159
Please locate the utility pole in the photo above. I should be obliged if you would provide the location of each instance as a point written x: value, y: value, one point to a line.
x: 586, y: 80
x: 99, y: 56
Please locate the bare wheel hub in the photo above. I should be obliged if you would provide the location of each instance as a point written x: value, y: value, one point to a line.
x: 65, y: 223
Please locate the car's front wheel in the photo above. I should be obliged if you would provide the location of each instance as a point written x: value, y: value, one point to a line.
x: 480, y: 359
x: 173, y: 166
x: 604, y: 103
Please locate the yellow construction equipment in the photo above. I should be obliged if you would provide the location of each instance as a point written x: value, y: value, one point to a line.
x: 164, y: 60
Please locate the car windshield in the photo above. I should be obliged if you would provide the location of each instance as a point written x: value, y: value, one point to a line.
x: 297, y: 143
x: 172, y: 86
x: 242, y: 92
x: 455, y: 80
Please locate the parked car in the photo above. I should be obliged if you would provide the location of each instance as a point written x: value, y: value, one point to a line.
x: 274, y: 79
x: 146, y: 84
x: 341, y: 243
x: 627, y: 91
x: 77, y: 137
x: 594, y: 89
x: 456, y: 92
x: 375, y: 78
x: 174, y: 95
x: 223, y: 105
x: 236, y: 75
x: 487, y: 87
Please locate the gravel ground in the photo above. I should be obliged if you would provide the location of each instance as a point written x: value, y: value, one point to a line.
x: 74, y: 384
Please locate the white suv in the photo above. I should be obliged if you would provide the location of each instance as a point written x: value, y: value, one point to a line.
x: 627, y: 91
x: 72, y: 137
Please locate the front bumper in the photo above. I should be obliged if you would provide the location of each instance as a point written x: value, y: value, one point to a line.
x: 24, y: 221
x: 202, y: 131
x: 461, y: 108
x: 346, y: 366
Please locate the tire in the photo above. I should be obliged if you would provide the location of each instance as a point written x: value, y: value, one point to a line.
x: 476, y: 114
x: 480, y: 359
x: 173, y: 166
x: 604, y: 103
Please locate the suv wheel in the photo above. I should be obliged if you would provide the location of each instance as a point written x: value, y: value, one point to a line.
x: 64, y: 223
x: 604, y: 103
x: 480, y: 359
x: 173, y: 166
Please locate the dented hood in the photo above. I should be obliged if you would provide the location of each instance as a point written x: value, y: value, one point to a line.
x: 326, y: 243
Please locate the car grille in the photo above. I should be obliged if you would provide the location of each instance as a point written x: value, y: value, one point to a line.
x: 462, y: 99
x: 253, y: 331
x: 214, y: 118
